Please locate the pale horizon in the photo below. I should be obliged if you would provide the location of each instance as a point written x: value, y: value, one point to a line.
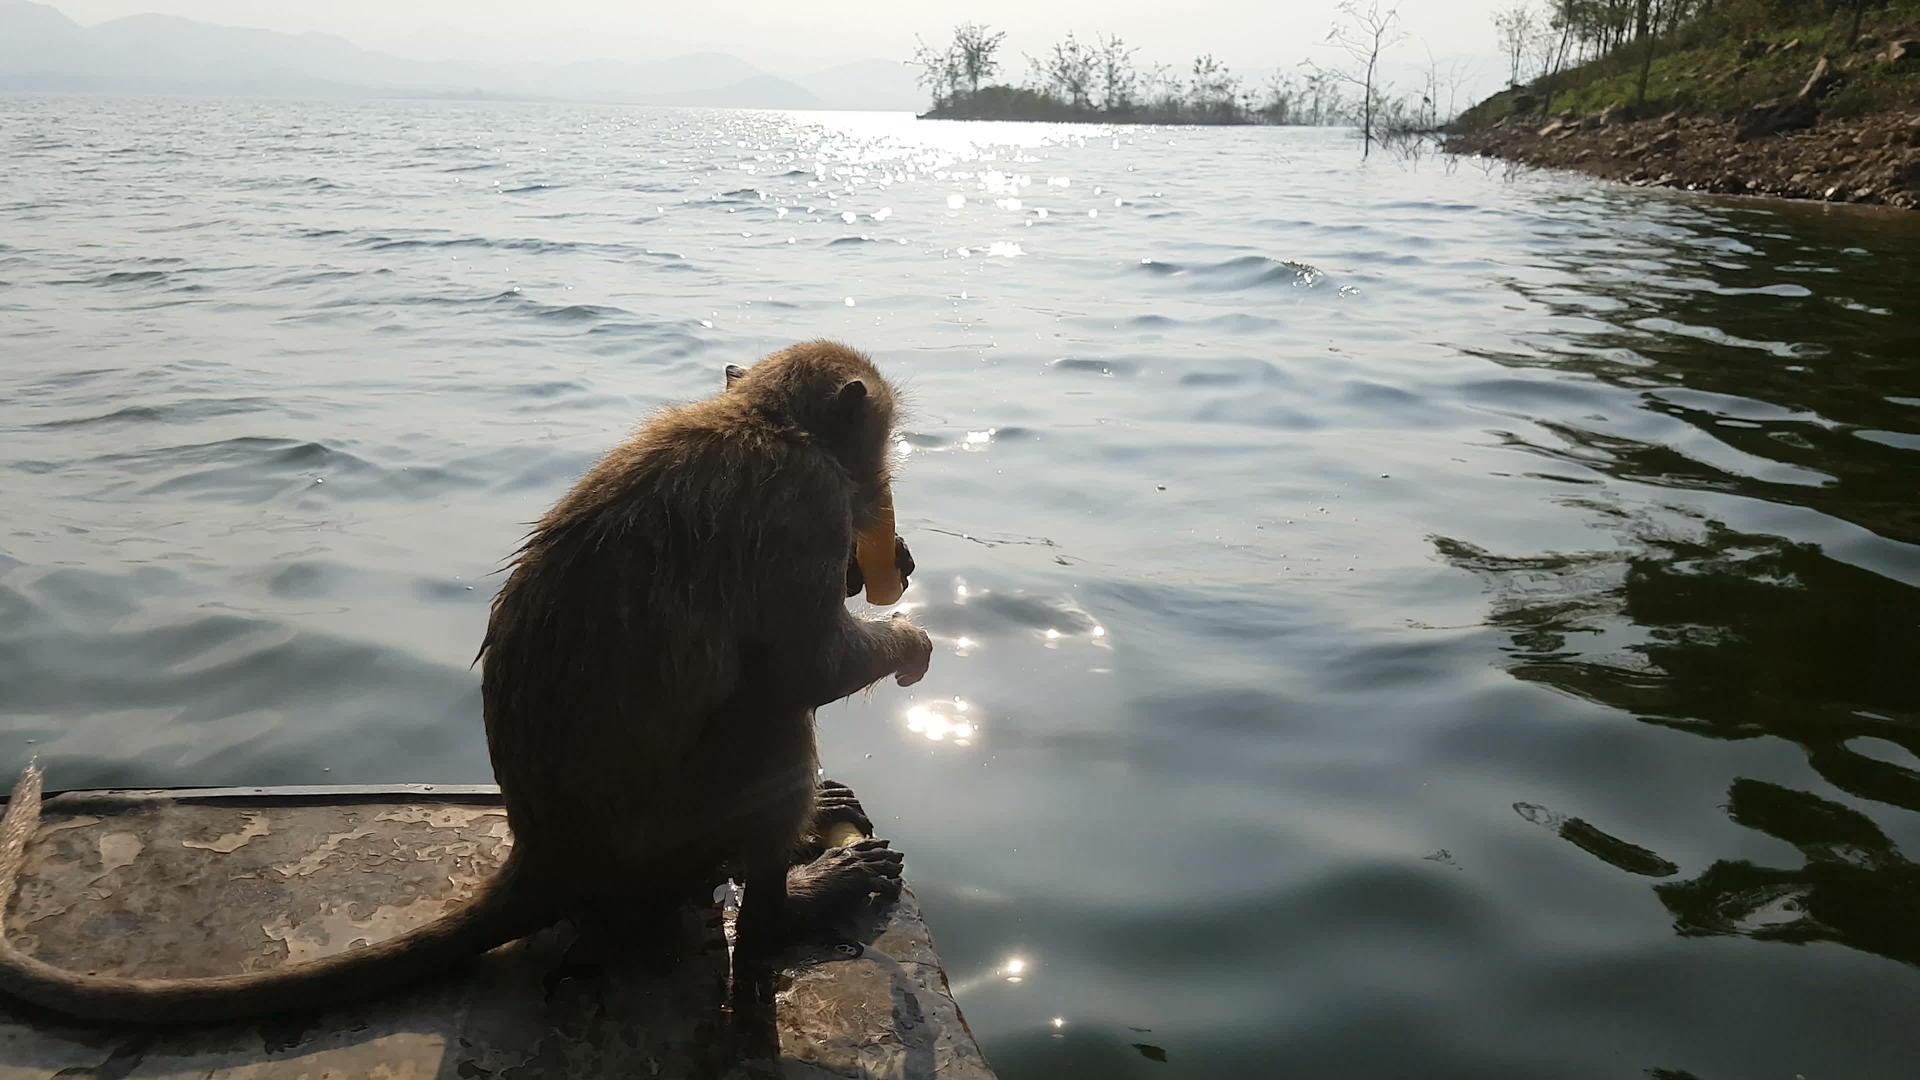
x: 765, y: 33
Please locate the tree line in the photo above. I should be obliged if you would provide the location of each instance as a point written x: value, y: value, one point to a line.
x: 1101, y: 80
x: 1541, y: 39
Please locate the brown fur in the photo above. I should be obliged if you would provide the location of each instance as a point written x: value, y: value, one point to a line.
x: 650, y: 672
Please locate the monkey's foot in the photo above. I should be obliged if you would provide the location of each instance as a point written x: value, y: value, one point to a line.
x: 836, y: 804
x: 840, y: 884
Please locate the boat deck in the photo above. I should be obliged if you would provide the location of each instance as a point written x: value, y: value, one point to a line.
x: 217, y: 881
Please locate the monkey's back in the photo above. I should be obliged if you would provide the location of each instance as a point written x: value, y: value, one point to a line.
x: 612, y: 668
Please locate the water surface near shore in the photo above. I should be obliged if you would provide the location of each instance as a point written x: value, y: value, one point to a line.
x: 1401, y: 619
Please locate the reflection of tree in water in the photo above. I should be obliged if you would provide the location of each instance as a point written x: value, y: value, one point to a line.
x: 1855, y: 888
x: 1773, y: 338
x: 1731, y: 635
x: 1735, y: 635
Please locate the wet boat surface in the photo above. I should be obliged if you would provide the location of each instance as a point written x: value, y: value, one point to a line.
x: 198, y: 882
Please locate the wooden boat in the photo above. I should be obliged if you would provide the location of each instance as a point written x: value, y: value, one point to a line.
x: 217, y: 880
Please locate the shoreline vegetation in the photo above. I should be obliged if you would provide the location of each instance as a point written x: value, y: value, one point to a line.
x: 1024, y: 103
x: 1803, y: 99
x: 1099, y: 82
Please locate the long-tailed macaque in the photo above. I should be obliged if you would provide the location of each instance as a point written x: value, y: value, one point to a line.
x: 650, y: 671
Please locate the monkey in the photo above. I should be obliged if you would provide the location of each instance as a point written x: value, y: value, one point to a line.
x: 856, y: 577
x: 649, y: 675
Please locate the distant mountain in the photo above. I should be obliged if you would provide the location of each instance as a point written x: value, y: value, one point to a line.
x: 757, y: 92
x: 866, y: 84
x: 618, y: 80
x: 42, y: 49
x: 34, y: 37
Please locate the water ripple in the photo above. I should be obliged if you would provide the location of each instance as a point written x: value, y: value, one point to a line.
x: 1393, y: 618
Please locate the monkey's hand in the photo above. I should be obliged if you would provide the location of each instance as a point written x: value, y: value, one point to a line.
x: 918, y: 650
x: 902, y: 559
x: 842, y: 882
x: 836, y: 804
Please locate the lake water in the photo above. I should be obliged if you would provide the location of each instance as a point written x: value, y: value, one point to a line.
x: 1396, y: 619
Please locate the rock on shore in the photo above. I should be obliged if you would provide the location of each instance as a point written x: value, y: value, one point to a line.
x: 1782, y: 149
x: 1791, y: 146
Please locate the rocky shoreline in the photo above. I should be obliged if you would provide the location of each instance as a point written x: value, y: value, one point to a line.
x: 1868, y: 159
x: 1786, y: 148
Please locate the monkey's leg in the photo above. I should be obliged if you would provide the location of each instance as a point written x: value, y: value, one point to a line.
x: 626, y: 919
x: 757, y: 943
x: 762, y: 912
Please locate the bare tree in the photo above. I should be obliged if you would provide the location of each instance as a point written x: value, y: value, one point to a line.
x: 1515, y: 28
x: 1552, y: 49
x: 1214, y: 88
x: 1118, y: 80
x: 1363, y: 33
x: 1441, y: 83
x: 1163, y: 89
x: 1644, y: 29
x: 1320, y: 94
x: 1454, y: 74
x: 939, y: 70
x: 1037, y: 79
x: 1283, y: 100
x: 1069, y: 72
x: 974, y: 50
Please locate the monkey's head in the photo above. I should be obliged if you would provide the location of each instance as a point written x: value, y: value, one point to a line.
x: 846, y: 406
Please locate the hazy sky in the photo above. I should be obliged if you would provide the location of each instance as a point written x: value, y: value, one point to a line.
x: 796, y: 35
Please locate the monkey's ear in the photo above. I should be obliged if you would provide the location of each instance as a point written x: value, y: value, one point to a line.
x: 734, y: 371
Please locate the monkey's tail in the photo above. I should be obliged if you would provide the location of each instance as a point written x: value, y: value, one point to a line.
x: 497, y: 914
